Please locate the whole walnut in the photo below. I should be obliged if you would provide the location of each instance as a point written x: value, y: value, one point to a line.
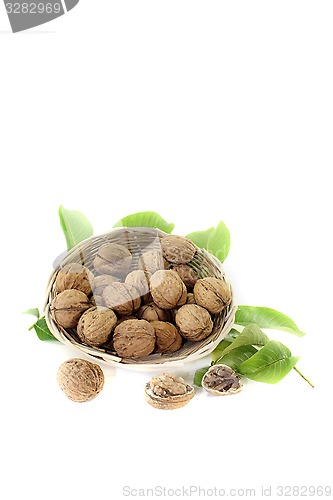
x: 134, y: 338
x: 187, y: 275
x: 80, y: 380
x: 140, y: 281
x: 68, y: 306
x: 102, y: 281
x: 151, y: 261
x: 123, y: 299
x: 168, y: 339
x: 113, y: 259
x: 96, y: 325
x: 74, y: 276
x: 194, y: 322
x: 213, y: 294
x: 168, y: 392
x: 167, y: 289
x: 178, y: 249
x: 151, y: 312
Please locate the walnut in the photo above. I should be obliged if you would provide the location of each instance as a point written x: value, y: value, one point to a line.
x: 139, y: 279
x: 187, y: 275
x: 123, y: 299
x: 190, y: 298
x: 167, y: 289
x: 74, y: 276
x: 178, y: 249
x: 102, y: 281
x: 151, y: 261
x: 134, y: 338
x: 68, y: 307
x: 113, y: 259
x: 221, y: 380
x: 168, y: 392
x: 151, y: 312
x: 80, y: 380
x: 213, y: 294
x: 168, y: 339
x: 96, y: 325
x: 194, y: 322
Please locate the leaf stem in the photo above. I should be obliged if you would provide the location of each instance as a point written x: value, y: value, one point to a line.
x: 303, y: 376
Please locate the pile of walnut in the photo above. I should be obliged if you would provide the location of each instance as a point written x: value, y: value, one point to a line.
x: 134, y: 313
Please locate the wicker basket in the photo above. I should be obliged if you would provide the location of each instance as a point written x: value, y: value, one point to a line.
x: 138, y: 240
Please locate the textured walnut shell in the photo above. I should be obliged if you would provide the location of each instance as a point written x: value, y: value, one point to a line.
x: 177, y: 249
x: 190, y: 299
x: 96, y: 325
x: 113, y: 259
x: 68, y: 307
x: 167, y: 392
x: 187, y: 275
x: 123, y: 299
x: 167, y: 289
x: 74, y: 276
x: 168, y: 339
x: 151, y: 261
x: 140, y: 281
x: 221, y: 380
x: 194, y: 322
x: 80, y: 380
x: 134, y: 338
x: 213, y: 294
x: 102, y: 281
x: 151, y: 312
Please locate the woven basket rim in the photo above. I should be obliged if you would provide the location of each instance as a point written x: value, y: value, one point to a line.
x: 164, y: 361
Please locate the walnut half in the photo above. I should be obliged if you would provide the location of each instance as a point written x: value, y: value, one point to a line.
x: 168, y: 392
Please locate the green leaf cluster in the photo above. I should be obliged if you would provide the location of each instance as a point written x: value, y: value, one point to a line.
x: 40, y: 326
x: 215, y: 239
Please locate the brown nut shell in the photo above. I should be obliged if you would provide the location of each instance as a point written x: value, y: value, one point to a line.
x: 74, y: 277
x: 168, y: 339
x: 140, y: 281
x: 113, y: 259
x: 151, y: 312
x: 134, y: 338
x: 80, y: 380
x: 102, y: 281
x: 194, y: 322
x: 151, y: 261
x: 187, y: 275
x: 68, y: 306
x: 177, y: 249
x: 96, y: 325
x: 122, y: 298
x: 168, y: 392
x: 213, y: 294
x: 221, y: 380
x: 167, y: 289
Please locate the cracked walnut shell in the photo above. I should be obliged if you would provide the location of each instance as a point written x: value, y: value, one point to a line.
x: 68, y: 307
x: 74, y: 276
x: 221, y: 380
x: 213, y: 294
x: 168, y: 339
x: 80, y: 380
x: 123, y: 299
x: 168, y: 392
x: 167, y: 289
x: 177, y: 249
x: 194, y: 322
x: 96, y: 325
x: 134, y: 338
x: 113, y: 259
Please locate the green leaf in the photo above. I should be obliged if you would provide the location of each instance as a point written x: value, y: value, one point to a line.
x: 271, y: 364
x: 34, y: 312
x: 42, y: 330
x: 251, y: 335
x: 198, y: 376
x: 200, y: 238
x: 265, y: 317
x: 146, y: 219
x: 237, y: 356
x: 219, y: 242
x: 217, y: 353
x: 75, y: 226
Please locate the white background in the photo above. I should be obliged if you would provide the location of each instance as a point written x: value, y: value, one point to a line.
x: 201, y: 111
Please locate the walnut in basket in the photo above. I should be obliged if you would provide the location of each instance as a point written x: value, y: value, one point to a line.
x: 213, y: 294
x: 168, y: 339
x: 134, y: 338
x: 177, y: 249
x: 68, y: 306
x: 167, y: 289
x: 96, y: 325
x: 74, y: 276
x: 123, y: 299
x: 113, y: 259
x: 194, y: 322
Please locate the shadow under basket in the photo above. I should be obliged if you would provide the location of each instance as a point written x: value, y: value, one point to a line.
x: 139, y: 240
